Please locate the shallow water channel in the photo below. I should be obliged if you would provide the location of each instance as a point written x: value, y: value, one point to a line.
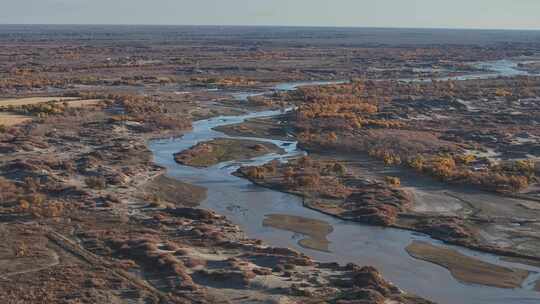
x: 248, y: 205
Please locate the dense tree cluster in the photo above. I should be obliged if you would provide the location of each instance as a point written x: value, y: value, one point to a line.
x: 305, y: 175
x: 40, y: 109
x: 26, y: 198
x: 359, y: 117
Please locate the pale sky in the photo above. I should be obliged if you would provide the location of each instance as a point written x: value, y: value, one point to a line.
x: 515, y: 14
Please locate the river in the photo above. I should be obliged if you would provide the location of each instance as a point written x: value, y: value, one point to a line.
x: 247, y: 205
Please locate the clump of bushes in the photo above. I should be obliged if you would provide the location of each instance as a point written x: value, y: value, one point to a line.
x: 8, y: 191
x: 145, y: 251
x: 37, y: 205
x: 511, y: 176
x: 392, y: 181
x: 40, y: 109
x: 301, y: 175
x: 97, y: 182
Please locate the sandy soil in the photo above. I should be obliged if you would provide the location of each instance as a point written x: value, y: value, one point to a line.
x: 315, y: 231
x: 163, y: 189
x: 84, y: 103
x: 10, y: 119
x: 467, y: 269
x: 437, y: 203
x: 33, y: 100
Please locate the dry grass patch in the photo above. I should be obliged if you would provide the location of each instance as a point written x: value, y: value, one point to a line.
x: 84, y: 103
x: 72, y: 102
x: 209, y: 153
x: 8, y: 119
x: 32, y: 100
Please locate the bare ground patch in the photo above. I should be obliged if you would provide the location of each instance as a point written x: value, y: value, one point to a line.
x: 467, y: 269
x: 315, y: 231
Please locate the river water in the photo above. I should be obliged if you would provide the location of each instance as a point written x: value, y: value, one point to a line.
x: 247, y: 205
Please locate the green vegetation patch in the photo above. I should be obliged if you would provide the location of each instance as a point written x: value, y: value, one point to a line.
x: 220, y: 150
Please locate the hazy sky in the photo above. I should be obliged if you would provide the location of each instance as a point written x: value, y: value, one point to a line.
x: 380, y: 13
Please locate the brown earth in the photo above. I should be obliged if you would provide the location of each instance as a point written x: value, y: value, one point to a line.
x: 467, y: 269
x: 315, y: 231
x: 163, y: 189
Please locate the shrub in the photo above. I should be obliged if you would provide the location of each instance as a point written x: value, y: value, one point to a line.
x: 305, y: 161
x: 392, y: 181
x: 443, y: 167
x: 525, y: 167
x: 255, y: 172
x: 271, y: 167
x: 33, y: 184
x: 339, y: 169
x: 288, y: 174
x: 518, y: 183
x: 96, y: 182
x: 308, y: 179
x: 259, y: 147
x: 24, y: 205
x: 36, y: 199
x: 466, y: 159
x: 8, y: 191
x: 52, y: 209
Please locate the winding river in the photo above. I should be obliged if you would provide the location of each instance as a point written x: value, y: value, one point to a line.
x: 247, y: 205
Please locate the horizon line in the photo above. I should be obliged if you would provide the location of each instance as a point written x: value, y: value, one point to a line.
x: 282, y: 26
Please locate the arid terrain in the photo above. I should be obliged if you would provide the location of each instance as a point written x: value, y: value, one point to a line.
x: 165, y: 164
